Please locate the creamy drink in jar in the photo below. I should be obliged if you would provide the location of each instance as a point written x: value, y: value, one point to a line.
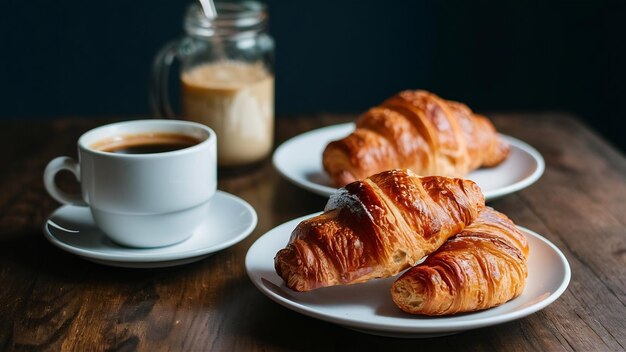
x: 236, y: 100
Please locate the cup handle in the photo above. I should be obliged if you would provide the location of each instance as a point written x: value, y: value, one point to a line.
x: 159, y: 93
x: 53, y: 167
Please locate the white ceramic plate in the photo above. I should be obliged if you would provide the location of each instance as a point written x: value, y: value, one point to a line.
x: 229, y: 220
x: 299, y: 159
x: 368, y: 307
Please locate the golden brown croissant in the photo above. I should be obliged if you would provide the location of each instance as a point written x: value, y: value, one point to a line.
x: 481, y: 267
x: 415, y: 130
x: 376, y: 228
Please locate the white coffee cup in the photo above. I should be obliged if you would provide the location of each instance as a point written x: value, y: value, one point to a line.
x: 142, y: 200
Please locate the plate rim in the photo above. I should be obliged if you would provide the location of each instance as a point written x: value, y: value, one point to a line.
x: 530, y: 179
x: 325, y: 191
x: 440, y: 327
x: 139, y: 257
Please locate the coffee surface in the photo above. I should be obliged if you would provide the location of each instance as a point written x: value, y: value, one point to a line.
x: 147, y: 143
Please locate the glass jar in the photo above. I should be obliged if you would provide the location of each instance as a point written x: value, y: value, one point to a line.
x: 226, y: 79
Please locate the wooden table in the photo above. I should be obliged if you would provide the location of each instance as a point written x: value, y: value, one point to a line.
x: 53, y: 300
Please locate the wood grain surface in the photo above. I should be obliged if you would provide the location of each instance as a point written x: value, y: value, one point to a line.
x: 53, y: 300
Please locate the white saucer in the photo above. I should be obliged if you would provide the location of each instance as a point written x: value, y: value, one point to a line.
x: 299, y: 160
x: 229, y: 220
x: 368, y: 307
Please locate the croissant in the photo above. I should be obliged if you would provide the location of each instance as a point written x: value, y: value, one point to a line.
x: 376, y: 228
x: 481, y: 267
x: 415, y: 130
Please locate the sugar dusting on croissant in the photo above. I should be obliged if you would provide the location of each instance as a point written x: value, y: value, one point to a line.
x: 376, y: 228
x: 481, y: 267
x: 415, y: 130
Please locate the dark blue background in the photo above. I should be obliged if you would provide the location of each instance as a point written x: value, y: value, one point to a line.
x: 88, y: 58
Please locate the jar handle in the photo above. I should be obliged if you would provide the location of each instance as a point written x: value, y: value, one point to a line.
x: 159, y: 93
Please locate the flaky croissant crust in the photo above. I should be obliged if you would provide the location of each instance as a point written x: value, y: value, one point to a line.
x: 481, y: 267
x: 415, y: 130
x: 376, y: 228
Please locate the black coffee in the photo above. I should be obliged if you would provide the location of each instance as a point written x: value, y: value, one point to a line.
x: 147, y: 143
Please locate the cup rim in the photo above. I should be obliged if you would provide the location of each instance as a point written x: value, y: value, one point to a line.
x: 83, y: 144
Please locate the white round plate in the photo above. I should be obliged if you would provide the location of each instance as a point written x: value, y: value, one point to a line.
x: 368, y: 307
x: 299, y: 160
x: 229, y: 220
